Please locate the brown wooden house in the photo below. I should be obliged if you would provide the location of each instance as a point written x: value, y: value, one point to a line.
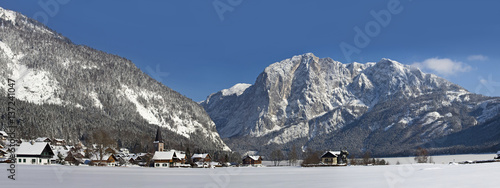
x: 201, y: 157
x: 252, y: 160
x: 107, y: 160
x: 58, y: 142
x: 74, y: 158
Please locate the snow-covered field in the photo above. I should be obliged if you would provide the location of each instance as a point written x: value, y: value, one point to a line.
x: 442, y: 159
x: 421, y: 175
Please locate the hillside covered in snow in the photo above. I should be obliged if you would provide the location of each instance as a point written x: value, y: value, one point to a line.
x: 68, y: 91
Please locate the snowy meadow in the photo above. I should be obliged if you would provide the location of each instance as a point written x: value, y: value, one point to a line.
x: 405, y: 175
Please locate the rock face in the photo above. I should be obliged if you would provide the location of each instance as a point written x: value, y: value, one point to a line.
x: 69, y: 90
x: 386, y: 107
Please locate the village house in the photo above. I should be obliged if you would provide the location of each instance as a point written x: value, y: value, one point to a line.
x: 201, y: 159
x: 142, y: 159
x: 74, y: 158
x: 170, y: 158
x: 334, y: 157
x: 34, y: 153
x: 163, y: 159
x: 43, y: 139
x: 58, y: 142
x: 330, y: 157
x: 252, y: 160
x: 108, y: 159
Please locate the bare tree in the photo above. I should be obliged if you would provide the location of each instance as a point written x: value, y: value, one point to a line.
x: 352, y: 160
x: 292, y: 156
x: 277, y: 156
x: 366, y: 158
x: 102, y: 140
x: 421, y: 155
x: 312, y: 157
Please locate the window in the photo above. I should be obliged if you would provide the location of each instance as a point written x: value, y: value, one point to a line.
x: 24, y: 160
x: 40, y: 160
x: 157, y: 165
x: 33, y: 161
x: 19, y: 160
x: 164, y: 165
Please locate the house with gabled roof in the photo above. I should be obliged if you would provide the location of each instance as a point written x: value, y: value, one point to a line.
x: 252, y: 160
x: 43, y: 139
x: 168, y: 158
x: 58, y: 142
x: 334, y: 157
x: 201, y: 160
x: 108, y: 159
x: 34, y: 153
x: 202, y: 157
x: 163, y: 159
x: 74, y: 158
x: 330, y: 157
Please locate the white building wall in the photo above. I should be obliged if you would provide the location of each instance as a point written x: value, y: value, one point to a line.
x: 33, y: 160
x: 161, y: 165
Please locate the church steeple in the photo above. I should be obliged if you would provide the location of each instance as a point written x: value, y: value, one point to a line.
x: 158, y: 135
x: 158, y: 143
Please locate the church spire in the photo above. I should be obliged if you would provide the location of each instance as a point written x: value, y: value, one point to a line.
x: 158, y: 135
x: 158, y: 143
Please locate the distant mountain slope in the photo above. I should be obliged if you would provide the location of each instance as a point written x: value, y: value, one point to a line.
x: 387, y: 108
x: 69, y: 90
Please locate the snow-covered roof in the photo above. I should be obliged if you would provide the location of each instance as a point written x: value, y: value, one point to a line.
x: 3, y: 133
x: 27, y: 148
x: 254, y: 157
x: 41, y: 139
x: 336, y: 153
x: 97, y: 156
x: 180, y: 155
x: 199, y: 155
x: 498, y: 152
x: 59, y: 140
x: 163, y: 155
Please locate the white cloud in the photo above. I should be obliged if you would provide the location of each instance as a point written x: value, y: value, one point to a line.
x: 443, y: 67
x: 477, y: 58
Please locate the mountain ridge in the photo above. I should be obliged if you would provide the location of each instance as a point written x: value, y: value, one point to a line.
x: 305, y: 98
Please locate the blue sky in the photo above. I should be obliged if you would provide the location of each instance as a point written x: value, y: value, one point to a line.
x: 197, y: 48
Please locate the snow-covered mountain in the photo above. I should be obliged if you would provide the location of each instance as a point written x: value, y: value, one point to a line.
x: 55, y: 78
x: 385, y: 107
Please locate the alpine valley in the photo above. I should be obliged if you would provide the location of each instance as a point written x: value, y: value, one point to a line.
x: 70, y: 91
x: 386, y: 108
